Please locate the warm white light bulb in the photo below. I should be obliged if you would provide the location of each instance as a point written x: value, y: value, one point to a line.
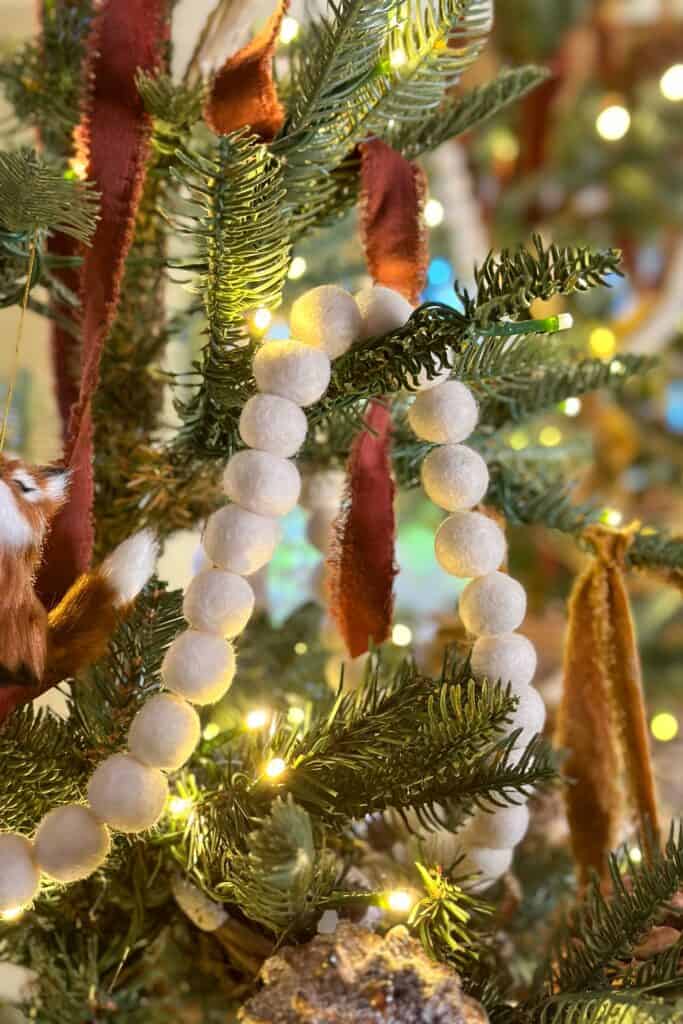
x: 12, y: 914
x: 297, y: 268
x: 664, y: 726
x: 399, y: 901
x: 179, y: 806
x: 276, y: 767
x: 613, y: 122
x: 401, y: 635
x: 433, y: 213
x: 261, y: 319
x: 257, y: 718
x: 398, y: 57
x: 289, y: 30
x: 611, y: 517
x: 211, y: 730
x: 671, y: 83
x: 571, y: 406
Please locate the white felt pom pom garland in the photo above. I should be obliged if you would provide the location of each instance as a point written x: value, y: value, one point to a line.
x: 128, y: 790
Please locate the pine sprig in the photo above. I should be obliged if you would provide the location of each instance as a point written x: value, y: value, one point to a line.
x: 175, y: 108
x: 612, y: 1008
x: 36, y: 197
x: 604, y: 930
x: 442, y: 919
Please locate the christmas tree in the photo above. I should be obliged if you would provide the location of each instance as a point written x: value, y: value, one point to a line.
x: 324, y: 814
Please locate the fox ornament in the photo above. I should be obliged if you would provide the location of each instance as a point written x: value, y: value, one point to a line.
x: 39, y: 648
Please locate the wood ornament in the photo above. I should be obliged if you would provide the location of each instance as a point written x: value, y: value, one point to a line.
x: 243, y: 93
x: 602, y: 721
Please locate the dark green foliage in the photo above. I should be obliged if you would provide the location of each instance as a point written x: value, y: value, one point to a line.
x: 444, y: 918
x: 175, y: 109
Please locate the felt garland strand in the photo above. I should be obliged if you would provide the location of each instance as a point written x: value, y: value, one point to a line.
x: 114, y: 135
x: 602, y: 722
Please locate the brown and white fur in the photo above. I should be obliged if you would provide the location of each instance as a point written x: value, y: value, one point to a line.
x: 37, y: 649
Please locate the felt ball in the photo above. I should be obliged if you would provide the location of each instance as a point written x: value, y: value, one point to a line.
x: 126, y: 794
x: 320, y: 528
x: 71, y: 843
x: 165, y: 732
x: 382, y: 310
x: 501, y: 829
x: 262, y: 483
x: 454, y: 477
x: 489, y: 864
x: 353, y: 670
x: 529, y: 716
x: 445, y: 414
x: 323, y: 489
x: 510, y: 659
x: 240, y: 541
x: 199, y: 666
x: 492, y: 605
x: 292, y: 370
x: 19, y: 873
x: 273, y: 424
x: 469, y: 544
x: 220, y: 602
x: 327, y: 317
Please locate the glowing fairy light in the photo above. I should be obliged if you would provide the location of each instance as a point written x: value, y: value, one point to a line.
x: 12, y: 914
x: 611, y: 517
x: 671, y: 83
x: 602, y: 342
x: 571, y: 406
x: 300, y: 647
x: 664, y: 726
x: 550, y: 436
x: 297, y: 268
x: 400, y: 901
x: 257, y: 718
x: 211, y: 730
x: 398, y: 57
x: 613, y: 122
x: 296, y: 716
x: 433, y: 213
x: 276, y: 767
x: 401, y: 635
x: 635, y: 855
x: 518, y: 440
x: 180, y: 806
x: 289, y: 30
x: 261, y: 319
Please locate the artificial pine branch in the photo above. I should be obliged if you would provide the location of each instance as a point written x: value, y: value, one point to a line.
x: 443, y: 918
x: 36, y: 197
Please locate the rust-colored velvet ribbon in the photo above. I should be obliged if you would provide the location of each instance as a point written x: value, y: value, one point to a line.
x: 114, y: 132
x: 361, y: 566
x: 602, y: 721
x: 243, y: 91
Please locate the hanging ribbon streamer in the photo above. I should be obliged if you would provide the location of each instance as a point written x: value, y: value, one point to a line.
x: 244, y: 92
x: 602, y: 721
x: 361, y: 567
x: 114, y: 133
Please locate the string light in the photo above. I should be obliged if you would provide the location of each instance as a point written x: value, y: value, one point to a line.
x: 613, y: 122
x: 276, y: 767
x: 257, y: 718
x: 289, y: 30
x: 296, y: 715
x: 664, y: 726
x: 518, y: 440
x: 12, y: 914
x: 211, y: 730
x: 401, y: 635
x: 261, y: 319
x: 571, y: 406
x: 300, y: 647
x: 297, y: 268
x: 400, y: 901
x: 611, y: 517
x: 398, y: 57
x: 180, y: 806
x: 671, y: 83
x: 78, y: 167
x: 603, y: 342
x: 635, y: 855
x: 550, y: 437
x: 433, y: 214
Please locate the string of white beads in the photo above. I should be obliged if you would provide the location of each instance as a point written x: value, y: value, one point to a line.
x: 472, y: 546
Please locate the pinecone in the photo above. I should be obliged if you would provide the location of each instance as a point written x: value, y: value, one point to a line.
x: 355, y: 975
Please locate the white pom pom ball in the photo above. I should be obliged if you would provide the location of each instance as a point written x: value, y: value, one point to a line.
x: 328, y: 318
x: 382, y: 310
x: 292, y: 370
x: 529, y: 716
x: 492, y: 605
x: 164, y: 732
x: 199, y: 666
x: 323, y: 489
x: 469, y: 544
x: 19, y: 873
x: 220, y: 602
x: 262, y: 483
x: 454, y: 477
x: 487, y: 862
x: 502, y: 829
x: 353, y: 669
x: 320, y: 528
x: 240, y: 541
x: 510, y: 658
x: 273, y: 424
x: 71, y: 843
x: 445, y: 414
x: 128, y: 795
